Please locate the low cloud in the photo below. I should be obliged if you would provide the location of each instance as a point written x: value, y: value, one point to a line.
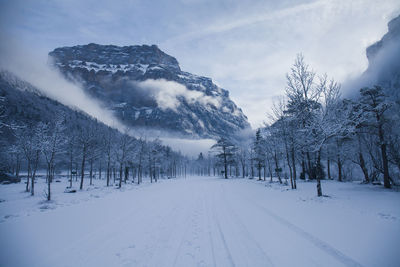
x: 382, y: 69
x: 167, y: 94
x: 33, y: 69
x: 189, y: 147
x: 176, y: 140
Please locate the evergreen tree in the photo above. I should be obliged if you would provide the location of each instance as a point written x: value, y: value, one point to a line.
x: 225, y: 153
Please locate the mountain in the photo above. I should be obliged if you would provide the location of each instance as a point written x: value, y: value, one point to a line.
x: 24, y: 104
x: 384, y: 61
x: 147, y: 89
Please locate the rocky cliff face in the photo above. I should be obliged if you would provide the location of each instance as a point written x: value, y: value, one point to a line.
x: 384, y: 61
x: 147, y: 88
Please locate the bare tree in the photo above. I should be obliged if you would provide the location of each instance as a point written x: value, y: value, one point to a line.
x: 124, y: 145
x: 52, y: 141
x: 374, y: 103
x: 28, y: 139
x: 86, y: 140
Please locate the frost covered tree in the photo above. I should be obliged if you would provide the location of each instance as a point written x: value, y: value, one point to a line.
x: 140, y: 158
x: 125, y: 143
x: 107, y: 143
x: 16, y: 153
x: 259, y: 152
x: 314, y: 124
x: 285, y: 131
x: 274, y: 149
x: 28, y: 139
x: 86, y: 140
x: 51, y: 142
x: 330, y: 121
x: 375, y: 105
x: 303, y: 94
x: 242, y: 156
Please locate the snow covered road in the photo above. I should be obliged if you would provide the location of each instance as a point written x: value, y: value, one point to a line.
x: 204, y: 221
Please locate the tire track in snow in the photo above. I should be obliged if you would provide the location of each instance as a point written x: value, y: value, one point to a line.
x: 185, y: 233
x: 172, y: 222
x: 221, y: 234
x: 235, y: 218
x: 133, y: 219
x: 337, y: 254
x: 206, y: 209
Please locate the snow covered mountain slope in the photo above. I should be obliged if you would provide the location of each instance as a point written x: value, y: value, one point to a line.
x: 146, y: 88
x: 26, y: 105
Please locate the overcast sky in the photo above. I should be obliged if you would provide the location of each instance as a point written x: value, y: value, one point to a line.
x: 246, y: 47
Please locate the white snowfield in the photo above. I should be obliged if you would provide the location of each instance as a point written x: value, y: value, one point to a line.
x: 201, y: 221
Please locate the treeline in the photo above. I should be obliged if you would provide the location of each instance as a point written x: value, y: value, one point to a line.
x: 315, y: 134
x: 87, y: 149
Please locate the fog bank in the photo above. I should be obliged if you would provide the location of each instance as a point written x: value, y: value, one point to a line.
x: 22, y: 61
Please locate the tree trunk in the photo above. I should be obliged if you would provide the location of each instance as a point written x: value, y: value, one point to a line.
x: 319, y: 189
x: 33, y: 184
x: 385, y: 162
x: 150, y: 171
x: 28, y: 176
x: 328, y: 164
x: 309, y: 165
x: 18, y: 166
x: 277, y: 168
x: 126, y: 174
x: 83, y: 167
x: 108, y: 171
x: 270, y: 173
x: 100, y: 170
x: 76, y: 171
x: 139, y: 173
x: 294, y: 169
x: 265, y: 171
x: 34, y: 174
x: 120, y: 175
x: 155, y: 172
x: 91, y: 172
x: 303, y: 168
x: 71, y: 168
x: 225, y: 165
x: 363, y: 167
x: 339, y: 164
x: 290, y: 169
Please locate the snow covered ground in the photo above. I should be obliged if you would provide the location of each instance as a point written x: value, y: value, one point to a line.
x: 201, y: 221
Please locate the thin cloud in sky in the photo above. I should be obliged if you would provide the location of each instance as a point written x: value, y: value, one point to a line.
x: 231, y: 24
x: 245, y: 46
x: 250, y: 53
